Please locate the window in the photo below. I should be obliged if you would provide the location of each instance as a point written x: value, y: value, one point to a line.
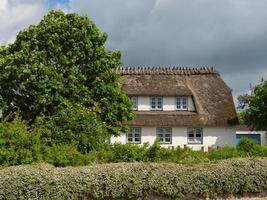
x: 195, y: 136
x: 134, y: 102
x: 134, y: 136
x: 164, y: 135
x: 156, y: 103
x: 181, y: 103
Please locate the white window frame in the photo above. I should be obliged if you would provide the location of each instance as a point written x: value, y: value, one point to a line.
x: 183, y: 103
x: 156, y: 98
x: 132, y: 135
x: 195, y: 139
x: 164, y: 132
x: 134, y: 100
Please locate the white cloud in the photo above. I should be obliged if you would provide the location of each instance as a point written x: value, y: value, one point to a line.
x: 17, y: 15
x: 3, y: 5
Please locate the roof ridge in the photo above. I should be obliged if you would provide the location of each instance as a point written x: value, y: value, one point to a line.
x: 163, y: 70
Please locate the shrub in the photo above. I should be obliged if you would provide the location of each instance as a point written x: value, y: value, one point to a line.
x: 249, y: 146
x: 189, y: 156
x: 133, y: 180
x: 69, y: 139
x: 154, y: 152
x: 65, y: 155
x: 17, y: 144
x: 73, y: 124
x: 224, y: 153
x: 127, y: 153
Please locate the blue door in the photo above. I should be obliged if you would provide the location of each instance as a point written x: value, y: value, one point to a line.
x: 256, y: 137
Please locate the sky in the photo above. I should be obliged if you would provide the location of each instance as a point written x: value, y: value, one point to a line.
x: 230, y: 35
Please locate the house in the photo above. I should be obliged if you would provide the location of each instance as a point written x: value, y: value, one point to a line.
x: 245, y: 131
x: 179, y: 106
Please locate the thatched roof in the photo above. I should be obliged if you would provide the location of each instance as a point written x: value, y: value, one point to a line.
x: 213, y: 98
x: 242, y: 127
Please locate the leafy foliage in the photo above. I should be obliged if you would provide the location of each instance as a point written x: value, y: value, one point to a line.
x: 58, y: 62
x: 60, y: 144
x: 256, y: 114
x: 17, y: 144
x: 65, y: 155
x: 135, y: 180
x: 250, y: 147
x: 73, y: 125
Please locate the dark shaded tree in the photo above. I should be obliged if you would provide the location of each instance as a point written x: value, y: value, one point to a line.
x: 255, y: 114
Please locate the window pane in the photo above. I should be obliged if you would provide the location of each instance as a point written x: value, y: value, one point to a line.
x: 168, y: 135
x: 130, y: 139
x: 191, y: 140
x: 134, y: 102
x: 167, y: 130
x: 191, y: 131
x: 160, y: 130
x: 184, y: 103
x: 191, y: 135
x: 168, y: 140
x: 137, y: 130
x: 137, y: 135
x: 198, y: 135
x: 181, y: 103
x: 159, y: 102
x: 130, y: 135
x: 153, y: 103
x: 198, y: 130
x: 178, y: 102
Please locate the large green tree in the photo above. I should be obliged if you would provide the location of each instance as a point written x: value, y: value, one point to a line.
x: 255, y: 112
x: 63, y: 61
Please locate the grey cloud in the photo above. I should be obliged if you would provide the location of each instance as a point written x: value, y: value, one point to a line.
x: 230, y: 35
x: 17, y: 15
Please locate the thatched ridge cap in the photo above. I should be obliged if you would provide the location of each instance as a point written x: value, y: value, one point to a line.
x: 161, y: 70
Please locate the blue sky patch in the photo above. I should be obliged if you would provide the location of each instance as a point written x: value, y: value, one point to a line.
x: 51, y: 3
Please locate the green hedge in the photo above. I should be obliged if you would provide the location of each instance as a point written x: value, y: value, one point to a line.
x: 132, y: 180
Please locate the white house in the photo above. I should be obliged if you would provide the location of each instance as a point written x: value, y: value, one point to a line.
x: 180, y: 106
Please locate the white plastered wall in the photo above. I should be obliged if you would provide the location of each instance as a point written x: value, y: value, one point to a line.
x: 212, y: 137
x: 169, y: 103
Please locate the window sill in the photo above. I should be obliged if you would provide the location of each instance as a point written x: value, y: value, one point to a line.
x: 195, y: 143
x: 133, y: 142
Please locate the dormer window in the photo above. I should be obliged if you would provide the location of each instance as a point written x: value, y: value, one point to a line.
x: 156, y: 103
x: 134, y: 100
x: 181, y: 103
